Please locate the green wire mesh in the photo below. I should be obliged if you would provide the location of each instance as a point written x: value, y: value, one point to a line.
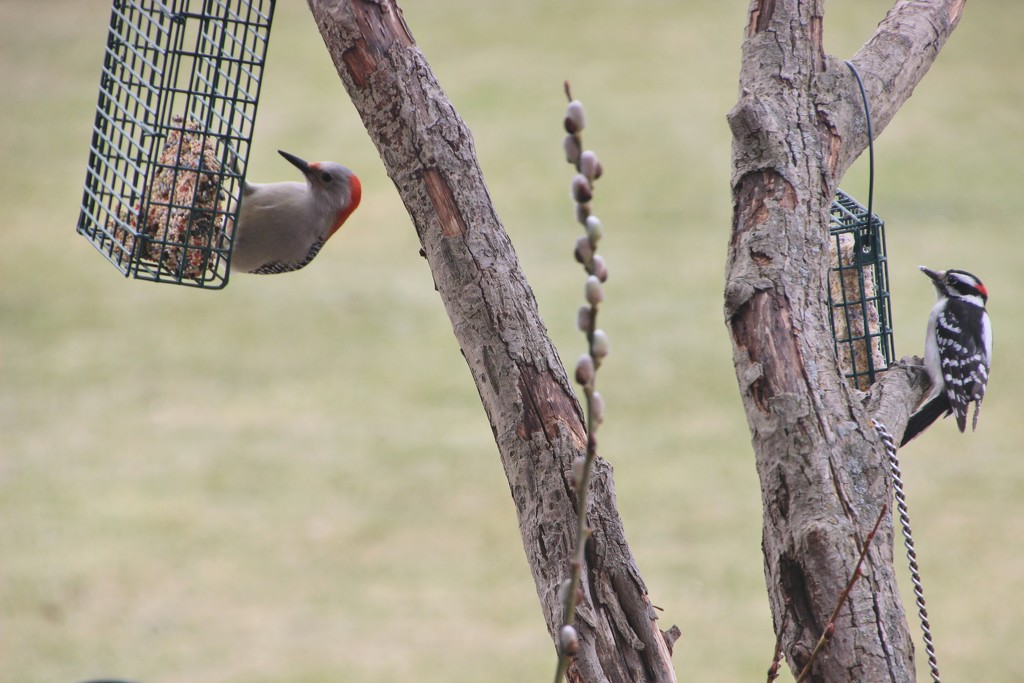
x: 858, y: 303
x: 177, y: 100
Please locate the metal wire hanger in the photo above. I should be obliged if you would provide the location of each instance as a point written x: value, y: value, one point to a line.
x: 890, y: 443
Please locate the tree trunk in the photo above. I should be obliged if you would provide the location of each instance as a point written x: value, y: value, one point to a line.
x: 797, y: 127
x: 536, y: 420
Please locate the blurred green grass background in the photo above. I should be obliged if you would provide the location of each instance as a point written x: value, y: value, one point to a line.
x: 292, y: 479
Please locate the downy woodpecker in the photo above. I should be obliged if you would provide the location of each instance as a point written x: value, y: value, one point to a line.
x: 282, y: 226
x: 957, y: 351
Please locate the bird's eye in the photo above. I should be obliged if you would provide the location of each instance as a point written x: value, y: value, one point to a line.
x: 325, y: 176
x: 950, y: 279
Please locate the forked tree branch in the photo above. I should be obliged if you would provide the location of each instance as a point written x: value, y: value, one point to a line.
x: 797, y: 127
x: 891, y: 63
x: 536, y: 420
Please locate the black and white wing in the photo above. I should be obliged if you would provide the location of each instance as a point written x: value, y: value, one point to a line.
x: 963, y: 333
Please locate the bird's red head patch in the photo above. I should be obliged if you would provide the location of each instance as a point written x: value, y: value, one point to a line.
x: 355, y: 194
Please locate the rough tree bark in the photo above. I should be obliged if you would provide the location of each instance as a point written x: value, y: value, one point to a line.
x: 536, y: 420
x: 797, y: 127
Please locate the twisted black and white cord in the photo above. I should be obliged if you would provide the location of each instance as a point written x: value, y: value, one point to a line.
x: 908, y: 542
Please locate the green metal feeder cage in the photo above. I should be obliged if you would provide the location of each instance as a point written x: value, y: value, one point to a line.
x: 859, y: 308
x: 858, y: 299
x: 177, y: 100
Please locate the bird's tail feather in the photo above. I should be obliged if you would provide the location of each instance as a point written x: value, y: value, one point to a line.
x: 926, y: 414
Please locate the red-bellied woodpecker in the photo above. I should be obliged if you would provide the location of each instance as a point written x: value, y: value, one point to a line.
x: 282, y: 226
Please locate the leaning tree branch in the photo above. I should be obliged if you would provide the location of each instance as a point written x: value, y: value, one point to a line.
x: 798, y: 125
x: 533, y: 412
x: 892, y: 63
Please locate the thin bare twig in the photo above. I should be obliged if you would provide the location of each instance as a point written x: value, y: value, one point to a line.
x: 773, y: 670
x: 589, y: 170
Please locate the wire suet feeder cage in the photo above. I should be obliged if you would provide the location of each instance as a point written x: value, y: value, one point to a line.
x: 858, y: 299
x: 859, y: 305
x: 178, y: 93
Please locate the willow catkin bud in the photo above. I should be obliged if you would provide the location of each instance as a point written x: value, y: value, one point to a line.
x: 583, y: 318
x: 595, y: 230
x: 599, y: 267
x: 593, y: 290
x: 576, y: 472
x: 575, y: 117
x: 589, y: 165
x: 596, y: 408
x: 568, y: 641
x: 584, y: 252
x: 581, y: 190
x: 585, y: 369
x: 563, y: 591
x: 599, y: 346
x: 571, y: 144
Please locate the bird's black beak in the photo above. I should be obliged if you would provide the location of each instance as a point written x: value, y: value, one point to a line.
x: 935, y: 276
x: 300, y: 164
